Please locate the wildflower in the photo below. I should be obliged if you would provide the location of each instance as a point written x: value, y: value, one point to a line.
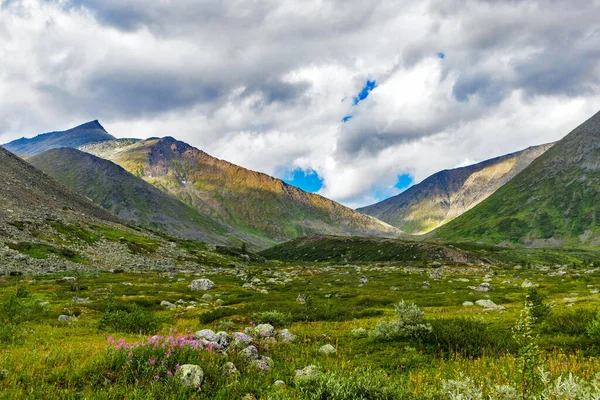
x: 178, y: 366
x: 130, y: 354
x: 156, y: 376
x: 152, y: 361
x: 169, y: 373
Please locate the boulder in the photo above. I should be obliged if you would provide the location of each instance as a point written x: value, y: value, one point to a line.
x: 363, y: 280
x: 483, y: 287
x: 468, y: 304
x: 229, y: 369
x: 262, y: 364
x: 265, y: 330
x: 286, y: 336
x: 327, y: 349
x: 241, y: 338
x: 190, y: 375
x: 202, y: 284
x: 526, y: 284
x: 206, y: 335
x: 306, y: 372
x: 64, y: 317
x: 167, y: 304
x: 250, y: 352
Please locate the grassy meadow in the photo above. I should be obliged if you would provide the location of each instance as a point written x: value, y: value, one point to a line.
x: 120, y: 342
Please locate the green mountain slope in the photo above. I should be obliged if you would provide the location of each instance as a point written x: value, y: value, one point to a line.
x: 556, y: 200
x: 249, y: 201
x: 447, y: 194
x: 90, y: 132
x: 132, y: 198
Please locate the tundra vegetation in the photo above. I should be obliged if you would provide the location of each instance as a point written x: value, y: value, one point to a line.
x: 304, y: 330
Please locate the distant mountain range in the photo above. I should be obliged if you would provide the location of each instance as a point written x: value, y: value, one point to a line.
x: 249, y: 201
x: 450, y: 193
x: 170, y: 186
x: 554, y: 201
x: 90, y: 132
x: 132, y: 198
x: 541, y: 196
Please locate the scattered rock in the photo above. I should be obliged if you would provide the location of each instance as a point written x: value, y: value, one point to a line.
x: 207, y: 296
x: 279, y: 383
x: 468, y: 304
x: 363, y: 280
x: 264, y: 363
x: 241, y: 338
x: 301, y: 299
x: 527, y: 284
x: 265, y: 330
x: 44, y: 303
x: 250, y: 352
x: 69, y: 279
x: 286, y: 336
x: 485, y: 303
x: 190, y: 375
x: 306, y: 372
x: 327, y: 349
x: 64, y: 317
x: 394, y: 288
x: 167, y: 304
x: 202, y: 284
x: 207, y: 335
x: 483, y: 287
x: 229, y: 369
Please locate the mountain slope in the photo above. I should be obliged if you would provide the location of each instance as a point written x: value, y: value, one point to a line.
x: 556, y: 200
x: 247, y: 200
x: 130, y: 197
x: 45, y: 227
x: 90, y: 132
x: 447, y: 194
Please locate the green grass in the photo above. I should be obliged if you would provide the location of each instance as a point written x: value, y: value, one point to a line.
x: 73, y: 359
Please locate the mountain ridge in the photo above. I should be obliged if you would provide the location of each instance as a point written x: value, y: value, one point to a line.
x: 447, y: 194
x: 554, y: 201
x: 89, y: 132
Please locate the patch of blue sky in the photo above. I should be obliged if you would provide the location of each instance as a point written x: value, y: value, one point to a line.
x: 364, y: 93
x: 307, y: 180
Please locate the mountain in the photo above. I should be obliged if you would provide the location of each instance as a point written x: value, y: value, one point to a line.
x: 554, y: 201
x: 450, y: 193
x: 45, y: 227
x: 249, y: 201
x: 90, y: 132
x: 132, y: 198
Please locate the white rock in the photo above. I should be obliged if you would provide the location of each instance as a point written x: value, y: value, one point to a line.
x: 265, y: 330
x: 327, y: 349
x: 190, y: 375
x: 468, y: 304
x: 202, y: 284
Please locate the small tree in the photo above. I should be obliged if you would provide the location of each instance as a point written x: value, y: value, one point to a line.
x: 527, y: 342
x: 408, y: 324
x: 539, y: 310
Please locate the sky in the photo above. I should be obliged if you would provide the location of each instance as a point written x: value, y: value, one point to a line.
x: 355, y: 100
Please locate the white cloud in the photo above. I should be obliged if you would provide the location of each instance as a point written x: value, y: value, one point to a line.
x: 261, y: 84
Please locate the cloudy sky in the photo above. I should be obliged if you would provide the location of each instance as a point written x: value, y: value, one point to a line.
x: 355, y: 99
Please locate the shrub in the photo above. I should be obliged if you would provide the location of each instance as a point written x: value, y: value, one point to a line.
x: 363, y: 384
x: 572, y: 322
x: 135, y: 321
x: 539, y: 310
x: 467, y: 336
x: 408, y: 324
x: 274, y: 317
x: 216, y: 314
x: 593, y: 328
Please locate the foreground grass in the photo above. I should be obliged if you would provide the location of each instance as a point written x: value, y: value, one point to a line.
x: 41, y: 357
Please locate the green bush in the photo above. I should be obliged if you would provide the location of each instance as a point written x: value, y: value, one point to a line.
x: 273, y: 317
x: 408, y: 324
x: 216, y: 314
x: 539, y: 310
x: 467, y: 336
x: 135, y: 321
x: 593, y: 328
x: 572, y: 322
x: 363, y: 384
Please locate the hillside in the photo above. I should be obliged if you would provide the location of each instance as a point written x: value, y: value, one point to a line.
x: 450, y: 193
x: 249, y: 201
x: 90, y: 132
x: 554, y: 201
x: 45, y: 227
x: 132, y: 198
